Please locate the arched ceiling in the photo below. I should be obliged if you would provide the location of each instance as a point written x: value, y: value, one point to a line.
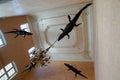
x: 78, y: 47
x: 51, y: 15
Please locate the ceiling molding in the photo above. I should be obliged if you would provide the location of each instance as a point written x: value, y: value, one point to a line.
x: 47, y: 33
x: 78, y: 42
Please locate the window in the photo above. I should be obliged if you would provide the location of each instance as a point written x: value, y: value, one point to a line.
x: 8, y: 72
x: 2, y: 72
x: 25, y: 27
x: 32, y: 52
x: 2, y: 39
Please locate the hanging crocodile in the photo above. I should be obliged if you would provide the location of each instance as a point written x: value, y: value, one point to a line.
x: 19, y: 32
x: 71, y: 23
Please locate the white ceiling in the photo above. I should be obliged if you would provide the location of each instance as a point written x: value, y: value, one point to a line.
x: 21, y: 7
x: 51, y: 16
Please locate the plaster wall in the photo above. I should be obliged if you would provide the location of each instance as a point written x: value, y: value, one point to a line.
x: 17, y: 48
x: 56, y: 70
x: 107, y: 39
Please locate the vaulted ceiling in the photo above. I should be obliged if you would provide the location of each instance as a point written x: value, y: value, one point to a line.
x: 50, y: 16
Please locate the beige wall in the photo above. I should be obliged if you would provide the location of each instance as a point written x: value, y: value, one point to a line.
x: 16, y: 48
x: 107, y: 39
x: 56, y: 70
